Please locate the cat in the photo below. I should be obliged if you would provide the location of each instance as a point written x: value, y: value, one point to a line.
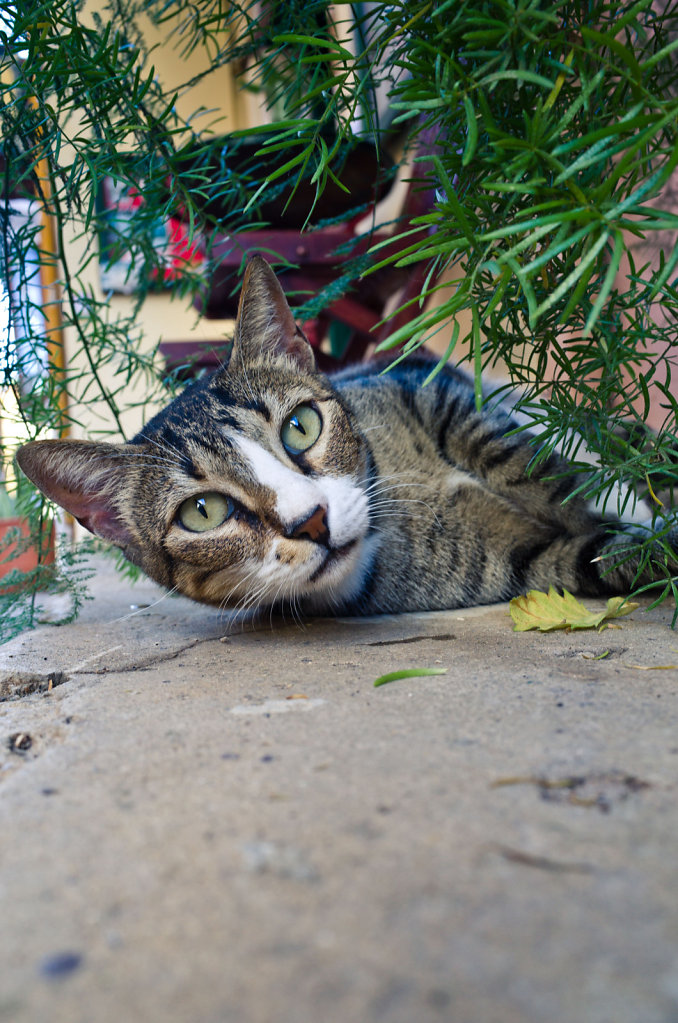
x: 271, y: 485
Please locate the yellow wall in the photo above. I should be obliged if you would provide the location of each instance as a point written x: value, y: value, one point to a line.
x: 161, y: 318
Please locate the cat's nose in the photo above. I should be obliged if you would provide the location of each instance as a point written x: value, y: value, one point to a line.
x: 312, y: 527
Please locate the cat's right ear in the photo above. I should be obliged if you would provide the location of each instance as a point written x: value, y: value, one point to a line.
x: 265, y: 323
x: 89, y: 479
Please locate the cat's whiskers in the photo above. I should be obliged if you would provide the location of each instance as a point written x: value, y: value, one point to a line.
x: 288, y: 589
x: 297, y: 608
x: 253, y: 396
x: 297, y: 616
x: 237, y: 585
x: 382, y: 503
x: 224, y: 607
x: 379, y: 509
x: 166, y: 447
x: 379, y: 488
x: 256, y: 597
x: 237, y: 615
x: 240, y: 610
x: 277, y: 606
x: 143, y: 456
x: 282, y: 585
x: 256, y: 592
x: 379, y: 501
x: 405, y: 476
x: 146, y: 607
x: 221, y: 364
x: 387, y: 497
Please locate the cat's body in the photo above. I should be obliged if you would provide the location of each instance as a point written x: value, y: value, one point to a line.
x: 269, y: 485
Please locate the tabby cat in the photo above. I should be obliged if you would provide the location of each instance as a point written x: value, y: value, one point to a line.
x: 269, y: 484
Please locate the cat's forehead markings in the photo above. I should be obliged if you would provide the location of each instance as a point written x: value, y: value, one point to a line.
x: 230, y: 407
x: 221, y: 466
x: 207, y: 459
x: 197, y: 456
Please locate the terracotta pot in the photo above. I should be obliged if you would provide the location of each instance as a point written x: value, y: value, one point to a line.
x: 28, y: 559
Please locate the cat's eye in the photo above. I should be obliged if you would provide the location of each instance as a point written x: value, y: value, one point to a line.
x: 301, y: 429
x: 204, y: 511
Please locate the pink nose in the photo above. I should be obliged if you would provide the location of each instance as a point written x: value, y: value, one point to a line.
x: 314, y: 527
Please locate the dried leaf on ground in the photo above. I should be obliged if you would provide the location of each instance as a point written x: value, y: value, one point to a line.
x: 552, y: 610
x: 652, y: 667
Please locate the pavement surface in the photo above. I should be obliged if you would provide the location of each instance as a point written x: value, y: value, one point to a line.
x: 204, y: 821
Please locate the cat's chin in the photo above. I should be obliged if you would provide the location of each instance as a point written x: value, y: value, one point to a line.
x: 334, y: 557
x: 340, y: 577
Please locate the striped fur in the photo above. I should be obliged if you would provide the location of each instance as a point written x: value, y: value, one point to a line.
x: 408, y: 499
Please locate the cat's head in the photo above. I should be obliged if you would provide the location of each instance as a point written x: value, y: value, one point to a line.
x: 248, y: 489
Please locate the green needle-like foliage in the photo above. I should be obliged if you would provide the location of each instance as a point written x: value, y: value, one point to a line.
x: 554, y: 134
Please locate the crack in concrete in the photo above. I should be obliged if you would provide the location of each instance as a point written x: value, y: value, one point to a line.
x: 141, y: 664
x: 16, y: 685
x: 410, y: 639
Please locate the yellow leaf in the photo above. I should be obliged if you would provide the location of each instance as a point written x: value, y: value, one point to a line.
x: 552, y: 610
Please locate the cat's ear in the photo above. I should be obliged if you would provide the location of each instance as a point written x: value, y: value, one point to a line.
x: 86, y: 478
x: 265, y: 322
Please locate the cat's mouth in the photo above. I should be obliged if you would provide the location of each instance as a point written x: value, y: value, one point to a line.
x: 333, y: 556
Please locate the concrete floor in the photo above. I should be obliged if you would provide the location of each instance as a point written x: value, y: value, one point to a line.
x: 208, y: 823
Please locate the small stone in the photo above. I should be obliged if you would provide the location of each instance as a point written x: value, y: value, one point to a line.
x: 19, y: 742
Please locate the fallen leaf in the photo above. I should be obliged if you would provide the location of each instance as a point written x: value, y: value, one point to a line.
x: 652, y: 667
x: 527, y: 859
x: 395, y: 676
x: 552, y: 610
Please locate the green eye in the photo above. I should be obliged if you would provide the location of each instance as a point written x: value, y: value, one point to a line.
x: 301, y: 429
x: 204, y: 511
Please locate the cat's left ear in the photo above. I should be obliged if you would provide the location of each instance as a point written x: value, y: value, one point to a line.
x: 265, y: 322
x: 90, y: 480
